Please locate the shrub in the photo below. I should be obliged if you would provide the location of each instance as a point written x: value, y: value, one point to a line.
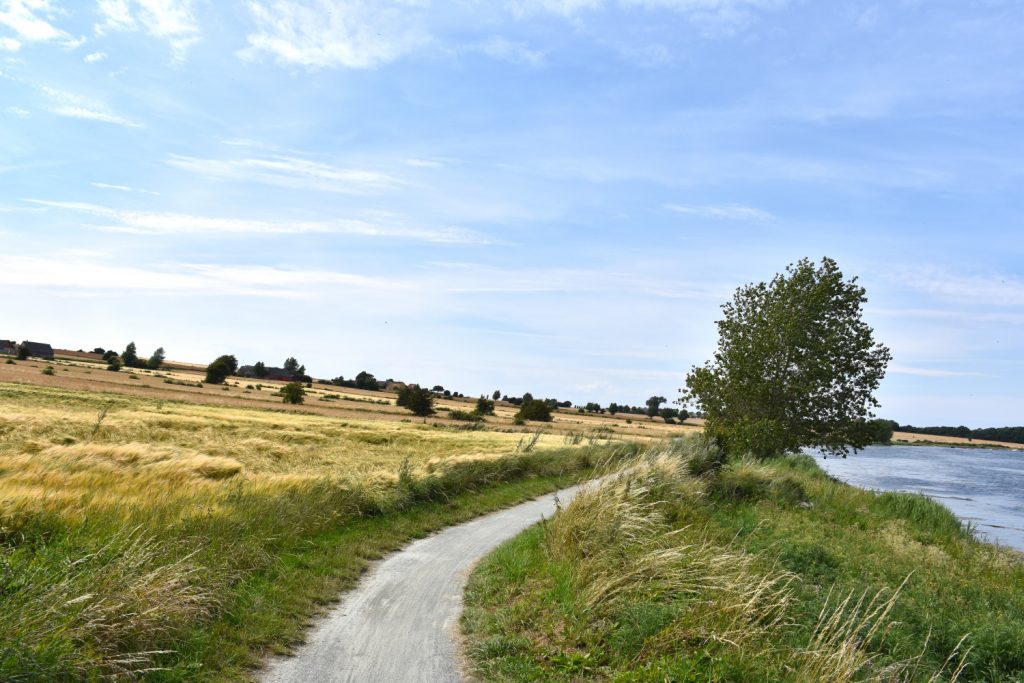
x: 293, y: 393
x: 220, y: 369
x: 465, y: 416
x: 417, y: 399
x: 537, y: 411
x: 484, y: 406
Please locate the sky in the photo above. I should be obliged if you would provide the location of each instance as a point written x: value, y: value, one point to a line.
x: 553, y: 196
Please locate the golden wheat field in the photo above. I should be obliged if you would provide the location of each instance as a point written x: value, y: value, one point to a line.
x: 137, y: 522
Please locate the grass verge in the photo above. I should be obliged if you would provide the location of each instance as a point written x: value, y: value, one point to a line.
x: 682, y: 570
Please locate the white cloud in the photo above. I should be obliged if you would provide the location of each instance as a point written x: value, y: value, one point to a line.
x: 79, y: 107
x: 357, y: 34
x: 511, y: 51
x: 170, y: 20
x: 732, y: 212
x: 931, y: 372
x: 82, y: 273
x: 28, y: 19
x: 95, y: 57
x: 166, y: 223
x: 992, y: 290
x: 289, y: 172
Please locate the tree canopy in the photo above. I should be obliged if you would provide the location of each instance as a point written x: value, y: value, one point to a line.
x: 416, y: 399
x: 796, y: 366
x: 220, y: 369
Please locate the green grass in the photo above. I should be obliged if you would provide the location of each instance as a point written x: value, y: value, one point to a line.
x: 640, y: 582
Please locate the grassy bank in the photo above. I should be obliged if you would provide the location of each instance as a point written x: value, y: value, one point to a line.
x: 681, y: 571
x: 148, y: 539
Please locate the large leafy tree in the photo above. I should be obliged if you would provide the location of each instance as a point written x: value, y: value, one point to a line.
x: 796, y: 366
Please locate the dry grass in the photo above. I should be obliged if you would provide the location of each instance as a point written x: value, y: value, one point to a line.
x: 179, y: 383
x: 127, y: 523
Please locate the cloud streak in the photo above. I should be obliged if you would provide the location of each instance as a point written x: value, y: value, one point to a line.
x: 289, y: 172
x: 165, y: 223
x: 729, y: 212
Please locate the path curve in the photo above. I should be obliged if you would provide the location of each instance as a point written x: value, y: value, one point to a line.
x: 401, y: 622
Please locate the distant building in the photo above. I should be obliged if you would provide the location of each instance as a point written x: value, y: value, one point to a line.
x: 278, y: 374
x: 39, y: 350
x: 8, y: 347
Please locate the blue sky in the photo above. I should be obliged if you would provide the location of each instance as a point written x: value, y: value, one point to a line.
x: 537, y: 195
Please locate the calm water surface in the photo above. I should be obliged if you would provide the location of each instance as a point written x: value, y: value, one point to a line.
x: 985, y: 487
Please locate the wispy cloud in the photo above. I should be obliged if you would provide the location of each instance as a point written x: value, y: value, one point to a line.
x: 163, y: 223
x: 30, y: 21
x: 357, y: 34
x: 931, y: 372
x: 991, y: 290
x: 81, y: 272
x: 76, y: 106
x: 511, y: 51
x: 170, y: 20
x: 731, y: 212
x: 122, y: 188
x: 288, y: 172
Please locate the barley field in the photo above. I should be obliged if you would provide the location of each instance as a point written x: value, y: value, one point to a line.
x: 147, y: 538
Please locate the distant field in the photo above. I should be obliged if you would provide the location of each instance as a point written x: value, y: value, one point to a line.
x: 910, y: 437
x: 152, y: 525
x: 182, y: 382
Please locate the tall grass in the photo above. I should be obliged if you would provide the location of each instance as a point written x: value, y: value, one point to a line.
x: 131, y: 529
x: 680, y: 566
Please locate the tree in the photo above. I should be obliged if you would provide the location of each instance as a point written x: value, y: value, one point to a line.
x: 795, y: 366
x: 538, y: 411
x: 484, y: 406
x: 292, y: 367
x: 293, y: 393
x: 130, y: 357
x: 496, y: 395
x: 220, y: 369
x: 259, y: 370
x: 654, y: 405
x: 417, y: 399
x: 156, y: 360
x: 365, y: 380
x: 23, y: 351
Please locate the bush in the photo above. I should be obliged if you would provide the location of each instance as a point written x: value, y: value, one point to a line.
x: 417, y: 399
x: 484, y: 406
x: 220, y: 369
x: 293, y: 393
x: 465, y: 416
x: 537, y: 411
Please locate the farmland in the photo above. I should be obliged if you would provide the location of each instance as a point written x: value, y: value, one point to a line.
x: 153, y: 527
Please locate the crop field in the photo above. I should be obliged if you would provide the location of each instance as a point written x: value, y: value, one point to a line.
x: 159, y: 530
x: 183, y: 382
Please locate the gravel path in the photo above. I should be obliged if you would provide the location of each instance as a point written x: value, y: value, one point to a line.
x: 400, y: 624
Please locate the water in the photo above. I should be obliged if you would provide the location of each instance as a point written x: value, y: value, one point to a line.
x: 982, y: 486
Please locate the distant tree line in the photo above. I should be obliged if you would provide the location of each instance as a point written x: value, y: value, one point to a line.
x: 129, y: 358
x: 1007, y: 434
